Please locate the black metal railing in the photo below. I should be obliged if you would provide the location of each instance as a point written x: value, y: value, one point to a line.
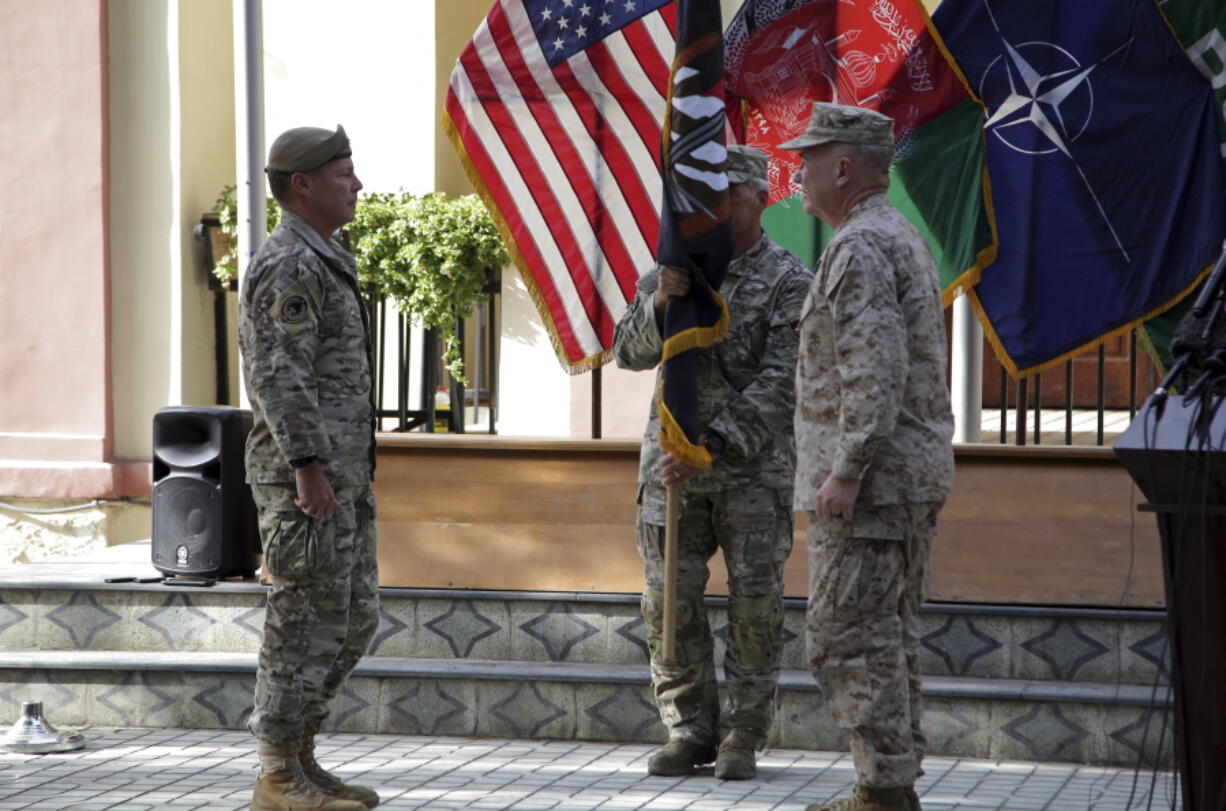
x: 480, y: 363
x: 1108, y: 390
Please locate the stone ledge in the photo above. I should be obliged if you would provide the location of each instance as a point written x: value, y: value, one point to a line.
x: 947, y: 687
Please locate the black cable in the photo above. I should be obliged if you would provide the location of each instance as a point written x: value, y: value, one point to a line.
x: 1150, y: 441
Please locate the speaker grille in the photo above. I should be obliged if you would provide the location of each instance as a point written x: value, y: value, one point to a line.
x: 187, y: 523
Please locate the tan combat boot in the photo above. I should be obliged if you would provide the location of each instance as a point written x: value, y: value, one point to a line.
x: 864, y: 798
x: 283, y: 787
x: 735, y: 760
x: 327, y: 781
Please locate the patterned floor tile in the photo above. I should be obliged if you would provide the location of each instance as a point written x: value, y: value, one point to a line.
x: 1066, y: 650
x: 82, y: 618
x: 527, y: 710
x: 462, y: 626
x: 957, y: 645
x: 433, y: 708
x: 618, y: 713
x: 178, y: 621
x: 558, y: 629
x: 1042, y: 732
x: 229, y: 699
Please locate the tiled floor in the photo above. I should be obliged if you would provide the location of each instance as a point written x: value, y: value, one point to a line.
x: 132, y: 769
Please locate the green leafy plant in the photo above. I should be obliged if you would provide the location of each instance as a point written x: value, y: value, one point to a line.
x: 429, y: 255
x: 225, y: 260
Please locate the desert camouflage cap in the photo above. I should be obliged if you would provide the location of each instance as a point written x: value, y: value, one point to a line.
x: 844, y: 124
x: 744, y: 163
x: 305, y: 149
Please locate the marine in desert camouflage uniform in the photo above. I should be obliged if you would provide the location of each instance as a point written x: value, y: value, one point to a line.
x: 874, y: 459
x: 741, y: 503
x: 306, y: 352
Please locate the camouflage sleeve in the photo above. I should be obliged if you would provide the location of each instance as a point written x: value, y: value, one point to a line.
x: 637, y: 343
x: 765, y: 408
x: 870, y: 350
x: 284, y: 327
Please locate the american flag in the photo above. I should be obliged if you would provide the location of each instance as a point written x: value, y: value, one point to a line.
x: 555, y: 109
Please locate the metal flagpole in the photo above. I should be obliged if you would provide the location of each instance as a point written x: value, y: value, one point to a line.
x: 966, y: 373
x: 249, y: 135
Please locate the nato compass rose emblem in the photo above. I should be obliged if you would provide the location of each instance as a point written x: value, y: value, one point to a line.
x: 1041, y: 100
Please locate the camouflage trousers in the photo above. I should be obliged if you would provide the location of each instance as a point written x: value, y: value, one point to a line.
x: 323, y: 607
x: 753, y: 526
x: 862, y: 635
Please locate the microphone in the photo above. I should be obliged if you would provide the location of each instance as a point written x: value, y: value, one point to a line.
x: 1164, y: 387
x: 1214, y: 366
x: 1195, y: 389
x: 1212, y: 286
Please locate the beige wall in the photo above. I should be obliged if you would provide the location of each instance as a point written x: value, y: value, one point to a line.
x: 171, y: 151
x: 454, y: 24
x: 206, y: 161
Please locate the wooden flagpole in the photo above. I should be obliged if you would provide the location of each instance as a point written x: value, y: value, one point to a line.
x: 669, y: 634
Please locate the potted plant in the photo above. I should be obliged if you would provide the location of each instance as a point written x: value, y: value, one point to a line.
x: 431, y: 255
x: 224, y: 239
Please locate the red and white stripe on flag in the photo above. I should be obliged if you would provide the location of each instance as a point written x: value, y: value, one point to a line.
x: 566, y: 155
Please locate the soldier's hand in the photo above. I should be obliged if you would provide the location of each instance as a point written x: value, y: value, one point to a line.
x: 673, y: 281
x: 316, y: 497
x: 836, y: 498
x: 674, y: 472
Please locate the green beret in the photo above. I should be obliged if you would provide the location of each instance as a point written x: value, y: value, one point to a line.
x: 844, y: 124
x: 745, y: 163
x: 305, y: 149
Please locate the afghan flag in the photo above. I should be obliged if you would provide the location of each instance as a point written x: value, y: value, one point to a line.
x: 694, y: 227
x: 880, y: 55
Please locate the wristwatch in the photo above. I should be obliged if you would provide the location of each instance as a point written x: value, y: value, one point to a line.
x: 714, y: 443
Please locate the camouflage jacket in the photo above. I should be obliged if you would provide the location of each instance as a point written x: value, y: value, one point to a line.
x: 870, y: 385
x: 744, y: 381
x: 306, y: 351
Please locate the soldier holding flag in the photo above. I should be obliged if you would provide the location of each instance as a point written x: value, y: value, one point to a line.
x: 741, y: 503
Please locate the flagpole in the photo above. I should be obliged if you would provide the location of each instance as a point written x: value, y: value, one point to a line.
x: 669, y: 632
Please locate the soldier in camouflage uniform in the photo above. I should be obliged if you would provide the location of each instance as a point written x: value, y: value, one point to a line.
x: 305, y: 346
x: 874, y: 459
x: 741, y: 503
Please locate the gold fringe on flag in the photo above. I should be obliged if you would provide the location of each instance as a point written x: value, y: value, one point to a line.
x: 674, y: 441
x: 698, y: 337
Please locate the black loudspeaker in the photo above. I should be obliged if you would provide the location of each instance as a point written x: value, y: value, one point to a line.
x: 204, y: 520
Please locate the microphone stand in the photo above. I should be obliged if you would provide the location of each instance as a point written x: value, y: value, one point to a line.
x: 1213, y: 289
x: 1208, y: 302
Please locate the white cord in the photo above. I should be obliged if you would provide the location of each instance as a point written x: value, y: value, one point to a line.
x: 52, y: 510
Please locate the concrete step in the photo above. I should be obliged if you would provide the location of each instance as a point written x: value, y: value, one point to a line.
x: 1080, y: 722
x: 1009, y: 642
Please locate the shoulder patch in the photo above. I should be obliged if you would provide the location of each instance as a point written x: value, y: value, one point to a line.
x: 293, y: 309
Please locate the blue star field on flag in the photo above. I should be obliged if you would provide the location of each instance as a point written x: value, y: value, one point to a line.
x: 566, y: 27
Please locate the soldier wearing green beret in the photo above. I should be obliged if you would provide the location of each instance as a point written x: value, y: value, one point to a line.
x: 874, y: 460
x: 741, y: 503
x: 306, y: 354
